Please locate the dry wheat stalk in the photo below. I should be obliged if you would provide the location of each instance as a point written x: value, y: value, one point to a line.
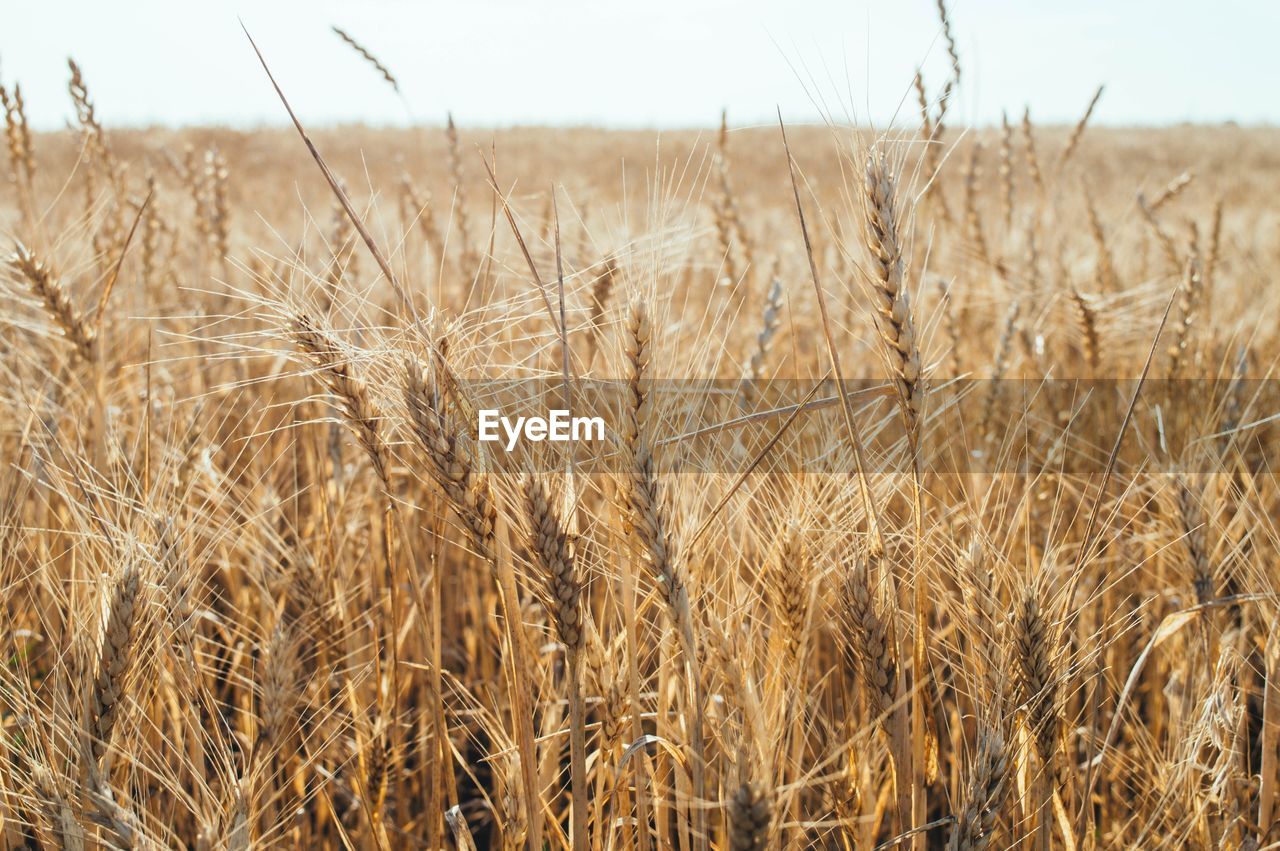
x: 922, y: 100
x: 379, y: 758
x: 555, y: 553
x: 983, y: 623
x: 152, y: 229
x: 237, y: 822
x: 109, y: 238
x: 94, y: 135
x: 601, y: 292
x: 1035, y: 648
x: 317, y: 674
x: 872, y: 644
x: 119, y: 822
x: 1270, y: 734
x: 951, y: 323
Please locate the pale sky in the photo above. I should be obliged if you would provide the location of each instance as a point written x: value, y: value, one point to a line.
x: 658, y: 63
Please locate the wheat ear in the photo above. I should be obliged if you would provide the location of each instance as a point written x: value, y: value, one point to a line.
x: 46, y: 287
x: 553, y: 550
x: 750, y: 812
x: 451, y: 461
x: 871, y: 641
x: 950, y: 38
x: 1191, y: 515
x: 1171, y: 190
x: 459, y: 190
x: 368, y: 57
x: 1035, y: 649
x: 1006, y: 170
x: 1087, y: 318
x: 1073, y: 141
x: 984, y: 794
x: 931, y: 135
x: 888, y: 279
x: 792, y: 586
x: 1106, y: 270
x: 770, y: 322
x: 335, y: 370
x: 648, y: 524
x: 973, y: 219
x: 1029, y: 149
x: 1189, y: 294
x: 57, y: 810
x: 115, y: 655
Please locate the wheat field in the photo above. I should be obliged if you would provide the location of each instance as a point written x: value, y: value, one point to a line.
x: 934, y: 505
